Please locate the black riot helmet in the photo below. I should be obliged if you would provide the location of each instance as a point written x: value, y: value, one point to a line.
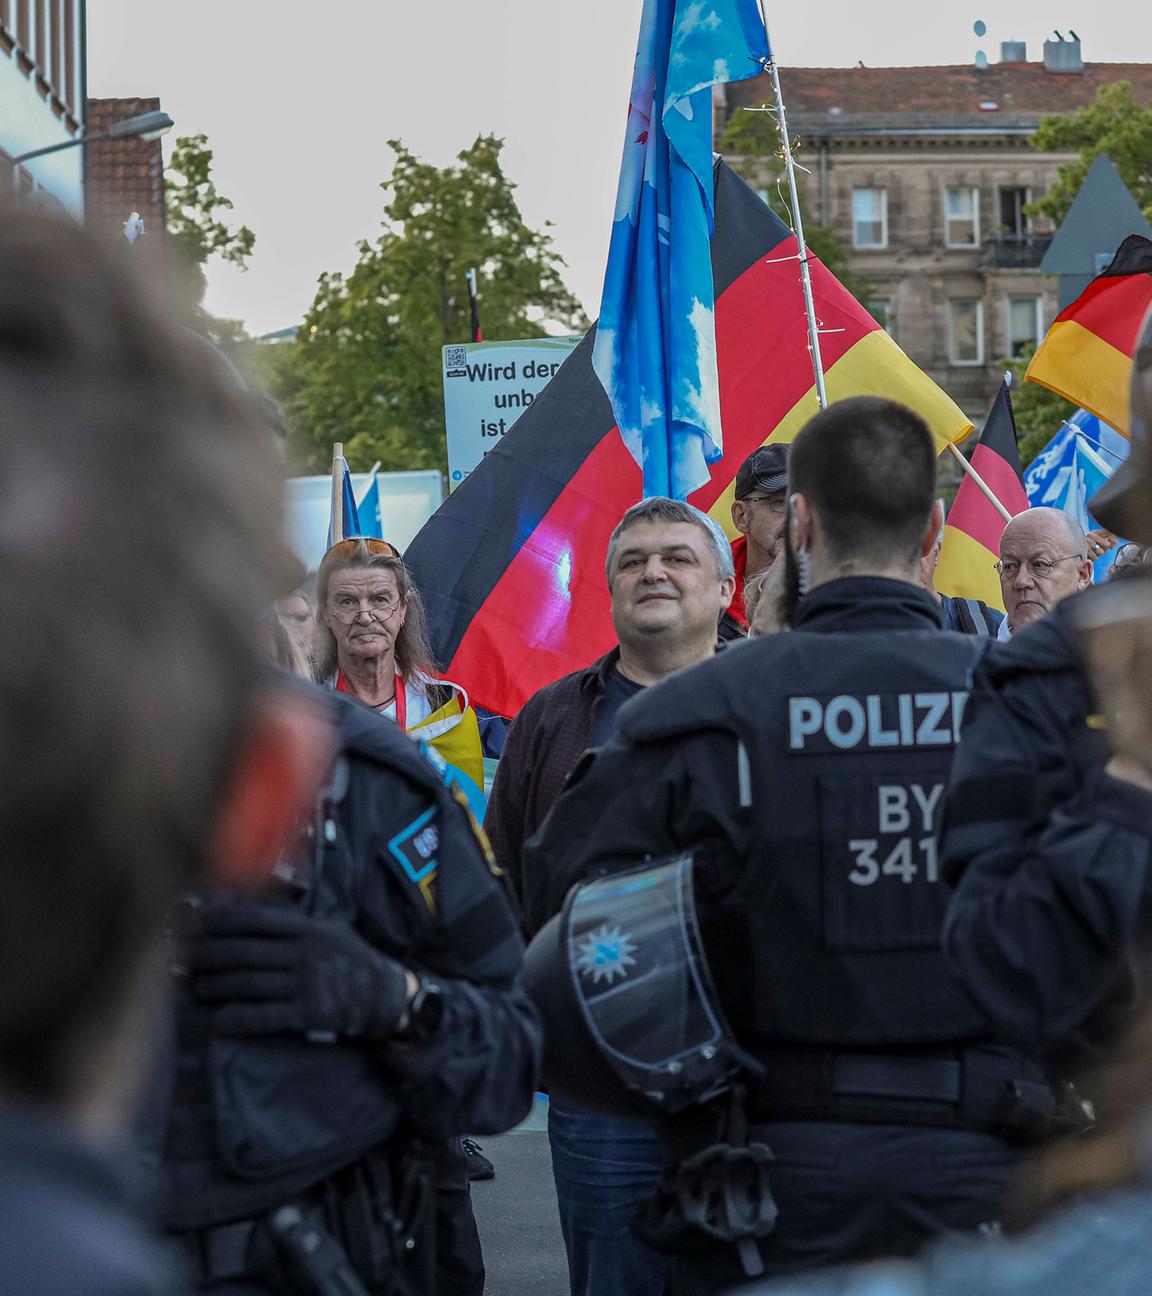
x: 632, y: 1026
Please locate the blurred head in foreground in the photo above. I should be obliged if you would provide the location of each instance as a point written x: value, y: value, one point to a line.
x: 142, y: 744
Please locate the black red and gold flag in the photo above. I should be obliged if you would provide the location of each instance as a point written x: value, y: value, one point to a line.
x: 1087, y: 353
x: 972, y: 532
x: 511, y: 565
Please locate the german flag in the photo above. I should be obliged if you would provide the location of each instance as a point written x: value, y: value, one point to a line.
x: 1086, y: 356
x: 972, y: 532
x: 511, y: 566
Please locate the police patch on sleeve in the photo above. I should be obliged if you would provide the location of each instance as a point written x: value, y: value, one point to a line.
x: 417, y: 849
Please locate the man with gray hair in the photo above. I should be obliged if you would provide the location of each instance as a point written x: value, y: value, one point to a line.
x: 1043, y: 559
x: 670, y: 576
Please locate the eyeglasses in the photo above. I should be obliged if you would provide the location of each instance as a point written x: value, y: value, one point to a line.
x: 1041, y: 568
x: 777, y: 504
x: 376, y: 607
x: 346, y: 548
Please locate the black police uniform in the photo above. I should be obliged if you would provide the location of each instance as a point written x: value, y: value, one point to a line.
x: 353, y: 1132
x: 1048, y: 900
x: 805, y: 771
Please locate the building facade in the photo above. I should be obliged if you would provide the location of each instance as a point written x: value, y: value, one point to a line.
x: 42, y: 95
x: 925, y: 174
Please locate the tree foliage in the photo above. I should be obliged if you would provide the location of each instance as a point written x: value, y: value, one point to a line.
x: 196, y: 232
x: 1039, y: 412
x: 366, y: 368
x: 750, y: 134
x: 1115, y: 126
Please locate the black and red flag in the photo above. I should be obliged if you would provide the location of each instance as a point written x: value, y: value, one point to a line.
x: 1086, y: 356
x: 972, y: 532
x: 511, y: 566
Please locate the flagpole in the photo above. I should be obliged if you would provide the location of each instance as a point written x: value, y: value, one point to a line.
x: 983, y: 485
x: 337, y: 515
x: 797, y: 227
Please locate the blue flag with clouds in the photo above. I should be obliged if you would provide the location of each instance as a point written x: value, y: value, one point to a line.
x: 1071, y: 469
x: 655, y: 348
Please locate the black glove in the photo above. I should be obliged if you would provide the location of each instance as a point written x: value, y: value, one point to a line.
x: 280, y: 972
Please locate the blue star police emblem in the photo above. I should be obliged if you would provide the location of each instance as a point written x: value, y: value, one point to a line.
x: 606, y: 954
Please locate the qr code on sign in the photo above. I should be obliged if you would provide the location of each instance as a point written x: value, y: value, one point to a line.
x: 455, y: 357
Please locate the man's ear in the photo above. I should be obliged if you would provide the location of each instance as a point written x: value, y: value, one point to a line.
x: 271, y: 788
x: 799, y: 522
x: 935, y: 526
x: 741, y: 516
x: 1084, y: 574
x: 727, y: 592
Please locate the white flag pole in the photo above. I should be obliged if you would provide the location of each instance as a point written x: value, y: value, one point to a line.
x: 773, y: 71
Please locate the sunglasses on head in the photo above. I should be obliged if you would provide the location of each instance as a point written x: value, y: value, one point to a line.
x: 346, y: 548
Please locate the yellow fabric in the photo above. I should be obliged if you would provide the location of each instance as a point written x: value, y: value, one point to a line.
x: 875, y: 366
x: 455, y: 734
x: 966, y: 569
x: 1075, y: 363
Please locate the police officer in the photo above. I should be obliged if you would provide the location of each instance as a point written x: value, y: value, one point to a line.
x: 333, y: 1036
x: 805, y: 772
x: 1048, y: 813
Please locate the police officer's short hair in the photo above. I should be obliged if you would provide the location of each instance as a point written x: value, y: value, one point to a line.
x: 659, y: 508
x: 139, y: 540
x: 868, y: 466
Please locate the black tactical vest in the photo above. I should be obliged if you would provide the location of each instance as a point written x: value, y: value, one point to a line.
x: 830, y: 928
x: 254, y: 1122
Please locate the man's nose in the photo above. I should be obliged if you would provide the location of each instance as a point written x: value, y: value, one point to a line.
x: 1023, y: 578
x: 654, y: 569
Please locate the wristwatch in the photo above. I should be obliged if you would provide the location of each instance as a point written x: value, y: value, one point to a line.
x: 425, y: 1012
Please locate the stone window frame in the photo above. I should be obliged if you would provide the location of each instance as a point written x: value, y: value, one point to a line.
x: 974, y: 193
x: 882, y: 190
x: 1037, y: 301
x: 978, y: 360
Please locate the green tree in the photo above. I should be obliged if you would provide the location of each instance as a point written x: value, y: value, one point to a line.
x: 1039, y: 412
x: 196, y: 233
x: 751, y: 134
x: 366, y: 367
x: 1116, y: 126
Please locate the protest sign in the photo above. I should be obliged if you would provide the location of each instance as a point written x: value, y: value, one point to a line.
x: 487, y: 386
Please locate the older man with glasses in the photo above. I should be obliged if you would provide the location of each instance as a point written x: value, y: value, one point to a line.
x: 1043, y: 559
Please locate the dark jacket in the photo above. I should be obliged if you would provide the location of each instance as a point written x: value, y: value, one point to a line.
x: 1040, y: 846
x: 393, y: 853
x: 67, y: 1224
x: 552, y: 731
x: 971, y: 616
x: 799, y: 952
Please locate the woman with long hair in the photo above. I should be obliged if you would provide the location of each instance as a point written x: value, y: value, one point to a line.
x: 372, y: 643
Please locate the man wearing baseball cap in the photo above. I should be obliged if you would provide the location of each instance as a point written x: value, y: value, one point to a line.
x: 761, y: 499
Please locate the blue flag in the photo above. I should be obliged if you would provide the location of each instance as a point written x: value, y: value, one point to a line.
x: 369, y: 510
x: 1071, y: 469
x: 655, y: 348
x: 345, y: 518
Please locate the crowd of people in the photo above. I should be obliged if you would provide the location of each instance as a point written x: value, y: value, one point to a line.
x: 818, y: 905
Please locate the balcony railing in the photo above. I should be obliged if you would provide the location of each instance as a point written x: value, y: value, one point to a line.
x: 1015, y: 251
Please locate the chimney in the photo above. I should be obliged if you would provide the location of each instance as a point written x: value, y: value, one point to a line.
x: 1062, y: 55
x: 1013, y: 52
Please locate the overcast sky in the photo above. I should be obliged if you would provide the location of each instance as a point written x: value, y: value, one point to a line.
x: 298, y: 96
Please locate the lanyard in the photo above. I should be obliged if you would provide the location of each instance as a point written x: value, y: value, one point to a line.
x: 401, y: 697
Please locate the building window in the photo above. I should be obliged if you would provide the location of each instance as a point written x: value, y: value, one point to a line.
x: 1024, y: 324
x: 880, y: 308
x: 1013, y: 222
x: 869, y: 218
x: 961, y: 217
x: 965, y: 332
